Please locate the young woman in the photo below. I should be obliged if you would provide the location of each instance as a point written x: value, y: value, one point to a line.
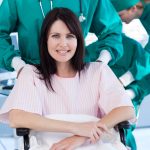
x: 63, y: 84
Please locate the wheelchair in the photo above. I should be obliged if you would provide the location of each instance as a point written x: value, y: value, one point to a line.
x: 24, y: 132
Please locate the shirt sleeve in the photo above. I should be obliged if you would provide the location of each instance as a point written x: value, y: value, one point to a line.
x: 112, y: 92
x: 8, y: 24
x: 141, y: 88
x: 108, y: 28
x: 140, y: 61
x: 24, y: 96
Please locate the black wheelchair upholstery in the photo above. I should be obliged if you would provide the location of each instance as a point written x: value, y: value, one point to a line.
x: 25, y: 133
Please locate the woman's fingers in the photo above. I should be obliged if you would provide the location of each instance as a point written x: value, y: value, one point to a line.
x: 69, y: 143
x: 95, y: 134
x: 85, y: 129
x: 57, y: 146
x: 103, y: 127
x: 98, y: 130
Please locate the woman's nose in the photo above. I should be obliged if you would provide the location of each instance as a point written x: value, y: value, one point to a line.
x: 63, y: 42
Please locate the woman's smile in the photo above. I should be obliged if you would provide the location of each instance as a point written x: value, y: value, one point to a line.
x: 62, y: 52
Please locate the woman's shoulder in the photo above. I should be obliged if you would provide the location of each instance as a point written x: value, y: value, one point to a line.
x: 95, y: 66
x: 29, y: 68
x: 29, y: 74
x: 29, y: 71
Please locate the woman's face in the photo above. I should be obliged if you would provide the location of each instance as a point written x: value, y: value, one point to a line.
x: 61, y: 43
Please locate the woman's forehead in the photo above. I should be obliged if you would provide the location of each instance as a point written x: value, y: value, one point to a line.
x: 59, y: 26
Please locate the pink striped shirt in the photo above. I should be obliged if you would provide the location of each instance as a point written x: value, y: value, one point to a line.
x: 96, y: 91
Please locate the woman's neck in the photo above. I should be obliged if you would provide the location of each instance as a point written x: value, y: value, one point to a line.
x: 65, y: 70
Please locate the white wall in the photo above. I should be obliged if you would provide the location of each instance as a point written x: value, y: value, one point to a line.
x: 144, y: 115
x: 1, y: 1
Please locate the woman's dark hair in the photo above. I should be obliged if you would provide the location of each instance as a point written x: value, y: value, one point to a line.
x: 47, y: 66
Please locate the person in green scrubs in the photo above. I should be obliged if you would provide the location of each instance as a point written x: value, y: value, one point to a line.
x: 133, y: 51
x: 140, y: 62
x: 129, y: 10
x: 26, y: 17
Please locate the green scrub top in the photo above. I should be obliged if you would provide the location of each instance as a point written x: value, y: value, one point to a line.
x: 141, y: 89
x: 135, y: 59
x: 141, y: 66
x: 25, y: 17
x: 145, y: 20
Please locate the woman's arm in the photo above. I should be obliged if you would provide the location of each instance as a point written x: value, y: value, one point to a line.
x: 69, y: 143
x: 113, y: 100
x: 19, y: 118
x: 118, y: 115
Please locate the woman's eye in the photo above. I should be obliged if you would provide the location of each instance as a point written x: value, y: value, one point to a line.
x: 55, y: 36
x: 70, y: 36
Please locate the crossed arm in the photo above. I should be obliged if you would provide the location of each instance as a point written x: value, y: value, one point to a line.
x: 82, y: 131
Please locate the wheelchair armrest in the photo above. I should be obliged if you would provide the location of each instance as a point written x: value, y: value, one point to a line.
x: 8, y: 87
x: 124, y: 125
x: 22, y: 131
x: 121, y: 126
x: 25, y: 133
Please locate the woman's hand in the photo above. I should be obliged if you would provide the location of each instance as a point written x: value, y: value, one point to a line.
x: 92, y: 130
x: 69, y: 143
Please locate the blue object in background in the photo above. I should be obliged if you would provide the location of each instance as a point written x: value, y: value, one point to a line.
x: 5, y: 130
x: 14, y: 40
